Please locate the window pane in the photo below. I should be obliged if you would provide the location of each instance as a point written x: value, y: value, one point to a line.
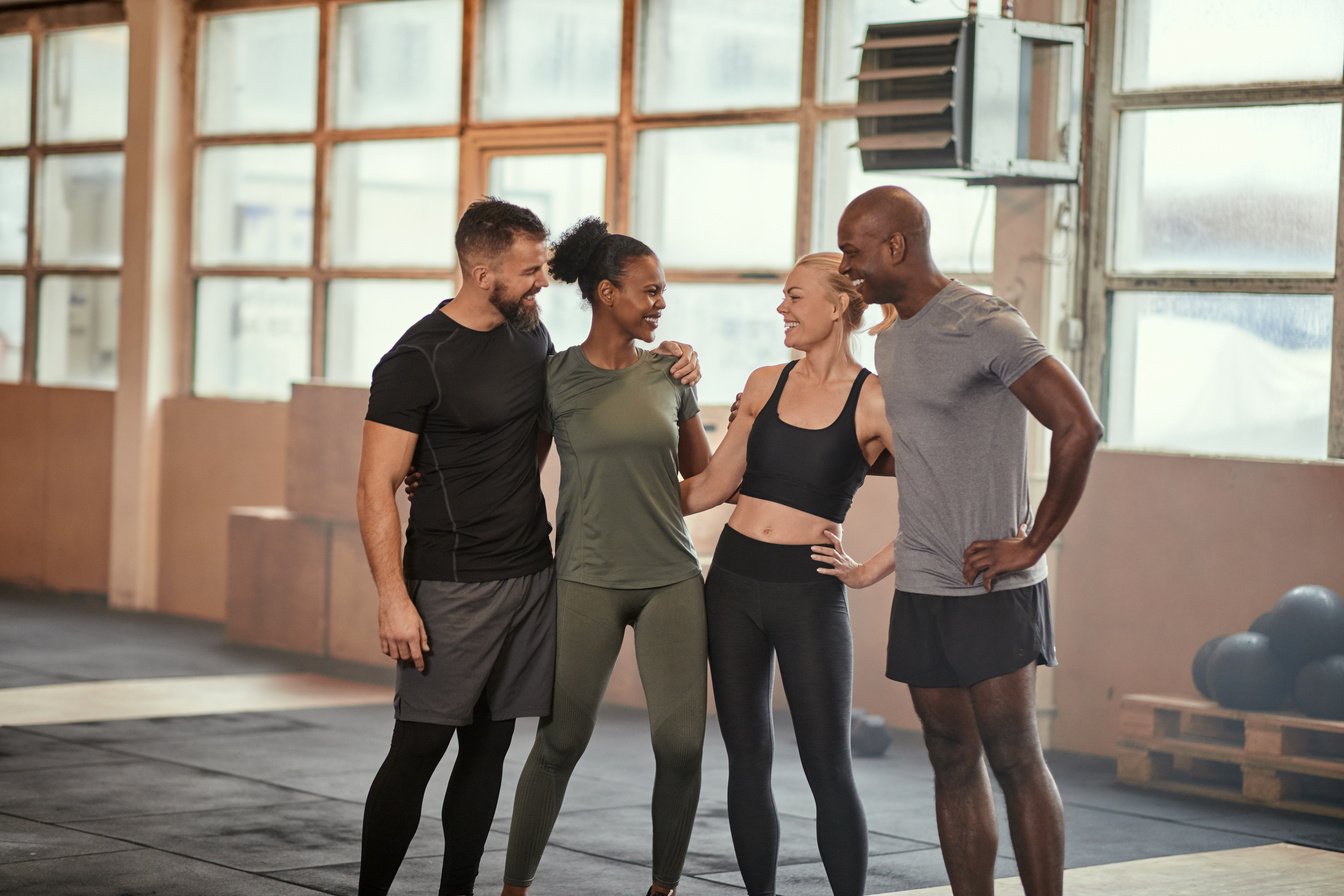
x: 16, y: 75
x: 259, y: 72
x: 365, y: 318
x: 543, y: 59
x: 80, y: 209
x: 254, y: 205
x: 252, y: 336
x: 559, y: 188
x: 13, y: 210
x: 718, y: 197
x: 1196, y: 42
x: 734, y: 328
x: 707, y: 54
x: 398, y: 63
x: 962, y: 216
x: 84, y: 76
x: 1228, y: 374
x: 77, y: 331
x: 566, y: 315
x: 1228, y: 190
x: 11, y: 329
x: 394, y: 202
x: 846, y: 25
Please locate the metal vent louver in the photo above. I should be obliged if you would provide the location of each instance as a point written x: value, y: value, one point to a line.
x: 958, y: 96
x: 912, y: 103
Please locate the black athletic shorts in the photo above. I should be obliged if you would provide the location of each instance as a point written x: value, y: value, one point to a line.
x: 937, y: 641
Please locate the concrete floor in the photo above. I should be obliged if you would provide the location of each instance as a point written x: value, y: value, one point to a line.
x: 269, y: 802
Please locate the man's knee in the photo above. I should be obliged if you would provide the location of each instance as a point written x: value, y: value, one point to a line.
x: 1014, y: 754
x: 954, y: 755
x: 420, y: 742
x: 951, y: 735
x: 1005, y: 710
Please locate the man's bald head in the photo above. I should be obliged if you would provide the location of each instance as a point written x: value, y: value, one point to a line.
x: 883, y: 211
x: 884, y: 244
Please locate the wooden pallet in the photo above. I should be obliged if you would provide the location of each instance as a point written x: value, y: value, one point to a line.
x: 1270, y: 759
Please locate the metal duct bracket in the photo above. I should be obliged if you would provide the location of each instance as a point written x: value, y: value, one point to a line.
x: 988, y: 100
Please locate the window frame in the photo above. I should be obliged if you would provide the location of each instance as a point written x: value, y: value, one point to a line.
x: 1101, y: 282
x: 37, y: 24
x: 482, y: 139
x: 324, y: 137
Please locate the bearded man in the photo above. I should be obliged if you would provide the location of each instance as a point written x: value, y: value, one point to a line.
x: 469, y: 612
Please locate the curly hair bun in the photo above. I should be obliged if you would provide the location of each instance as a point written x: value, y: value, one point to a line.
x: 575, y: 249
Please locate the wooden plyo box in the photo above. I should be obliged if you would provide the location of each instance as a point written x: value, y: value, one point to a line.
x: 300, y: 583
x: 1278, y: 760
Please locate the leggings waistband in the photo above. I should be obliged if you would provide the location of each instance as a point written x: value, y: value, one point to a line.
x: 764, y: 561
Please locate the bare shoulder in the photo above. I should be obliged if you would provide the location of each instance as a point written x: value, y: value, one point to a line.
x: 870, y: 395
x: 761, y: 383
x: 758, y: 387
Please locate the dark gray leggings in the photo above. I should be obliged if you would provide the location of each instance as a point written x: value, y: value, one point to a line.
x: 806, y: 625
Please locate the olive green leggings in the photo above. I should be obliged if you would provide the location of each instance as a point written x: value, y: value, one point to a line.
x: 669, y: 624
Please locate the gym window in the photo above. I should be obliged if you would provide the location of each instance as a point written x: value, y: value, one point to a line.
x: 63, y: 83
x: 326, y: 188
x: 1220, y: 209
x: 325, y: 208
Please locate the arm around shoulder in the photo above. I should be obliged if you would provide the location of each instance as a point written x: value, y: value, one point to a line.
x: 692, y: 447
x: 723, y: 474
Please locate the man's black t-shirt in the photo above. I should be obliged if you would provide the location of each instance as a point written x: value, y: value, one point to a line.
x: 474, y: 399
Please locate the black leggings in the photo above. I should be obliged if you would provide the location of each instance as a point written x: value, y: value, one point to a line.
x: 392, y: 812
x: 804, y: 620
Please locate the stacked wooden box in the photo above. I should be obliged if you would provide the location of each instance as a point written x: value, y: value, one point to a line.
x: 297, y: 578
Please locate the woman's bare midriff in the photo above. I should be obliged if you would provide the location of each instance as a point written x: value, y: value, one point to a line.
x: 778, y: 524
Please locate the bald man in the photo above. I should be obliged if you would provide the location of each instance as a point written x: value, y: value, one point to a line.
x: 970, y: 618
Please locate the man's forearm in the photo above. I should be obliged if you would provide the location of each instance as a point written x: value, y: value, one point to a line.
x: 380, y: 529
x: 1071, y: 451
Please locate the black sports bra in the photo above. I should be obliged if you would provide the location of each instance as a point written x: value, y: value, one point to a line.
x: 816, y: 471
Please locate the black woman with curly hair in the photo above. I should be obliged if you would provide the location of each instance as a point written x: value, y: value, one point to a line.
x: 624, y: 429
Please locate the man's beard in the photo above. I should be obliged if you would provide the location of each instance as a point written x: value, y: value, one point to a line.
x: 521, y: 316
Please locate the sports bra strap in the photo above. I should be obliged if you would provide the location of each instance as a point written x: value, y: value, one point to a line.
x: 846, y: 413
x: 773, y: 400
x: 852, y: 403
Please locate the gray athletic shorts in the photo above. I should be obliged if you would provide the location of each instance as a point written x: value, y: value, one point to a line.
x: 486, y: 639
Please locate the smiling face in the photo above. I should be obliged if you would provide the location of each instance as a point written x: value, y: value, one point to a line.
x: 811, y: 314
x: 868, y: 256
x: 637, y: 302
x: 516, y: 278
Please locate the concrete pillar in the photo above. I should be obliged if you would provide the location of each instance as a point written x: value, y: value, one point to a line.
x: 154, y: 253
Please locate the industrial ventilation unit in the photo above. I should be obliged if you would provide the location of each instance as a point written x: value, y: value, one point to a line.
x: 990, y: 100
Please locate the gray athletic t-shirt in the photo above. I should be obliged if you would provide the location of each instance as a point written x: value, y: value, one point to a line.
x: 618, y: 515
x: 960, y: 434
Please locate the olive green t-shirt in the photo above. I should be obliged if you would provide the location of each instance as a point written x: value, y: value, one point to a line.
x: 619, y: 513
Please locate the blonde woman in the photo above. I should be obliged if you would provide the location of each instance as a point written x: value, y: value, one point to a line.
x: 805, y: 436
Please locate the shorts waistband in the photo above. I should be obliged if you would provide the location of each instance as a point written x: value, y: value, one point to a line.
x: 764, y: 561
